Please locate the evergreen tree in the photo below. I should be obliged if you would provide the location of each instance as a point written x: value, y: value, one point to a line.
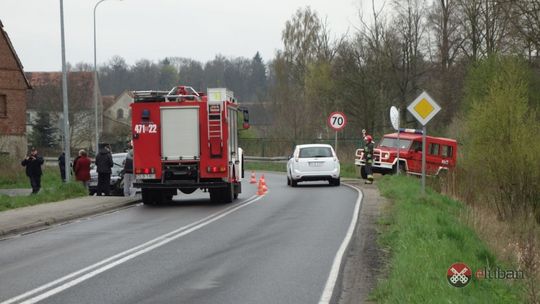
x: 43, y: 134
x: 168, y: 76
x: 257, y: 78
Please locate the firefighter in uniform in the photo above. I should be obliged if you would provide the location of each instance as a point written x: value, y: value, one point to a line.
x: 368, y: 153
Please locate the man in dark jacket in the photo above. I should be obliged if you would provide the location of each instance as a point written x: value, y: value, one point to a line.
x: 62, y: 166
x: 33, y: 164
x: 104, y: 163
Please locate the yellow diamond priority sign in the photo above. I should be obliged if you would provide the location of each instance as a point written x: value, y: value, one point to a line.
x: 423, y: 108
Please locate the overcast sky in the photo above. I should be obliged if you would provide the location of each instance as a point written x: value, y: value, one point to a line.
x: 155, y: 29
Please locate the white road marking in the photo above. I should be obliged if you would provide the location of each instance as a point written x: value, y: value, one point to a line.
x: 336, y: 265
x: 106, y: 264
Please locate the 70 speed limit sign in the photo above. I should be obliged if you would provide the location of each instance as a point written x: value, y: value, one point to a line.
x: 337, y: 120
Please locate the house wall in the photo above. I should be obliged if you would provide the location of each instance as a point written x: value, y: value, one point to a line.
x: 13, y: 145
x: 111, y: 121
x: 13, y: 88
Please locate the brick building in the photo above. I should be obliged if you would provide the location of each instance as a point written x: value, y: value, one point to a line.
x: 13, y: 89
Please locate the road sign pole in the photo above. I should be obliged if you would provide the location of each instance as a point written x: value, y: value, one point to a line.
x: 337, y: 121
x: 423, y: 160
x: 335, y: 145
x: 397, y: 158
x: 423, y: 108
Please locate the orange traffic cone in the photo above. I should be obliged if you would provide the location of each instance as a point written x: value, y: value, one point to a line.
x: 253, y: 179
x: 264, y: 187
x: 260, y: 190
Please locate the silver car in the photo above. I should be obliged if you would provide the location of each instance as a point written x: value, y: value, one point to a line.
x: 313, y: 162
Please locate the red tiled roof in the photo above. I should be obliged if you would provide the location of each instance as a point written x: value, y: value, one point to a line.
x: 14, y: 54
x: 108, y: 101
x: 48, y: 90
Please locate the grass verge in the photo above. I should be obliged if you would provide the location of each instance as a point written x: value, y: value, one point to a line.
x: 46, y: 195
x: 424, y: 236
x: 13, y: 178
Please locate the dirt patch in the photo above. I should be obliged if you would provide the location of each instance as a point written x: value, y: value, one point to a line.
x: 364, y: 261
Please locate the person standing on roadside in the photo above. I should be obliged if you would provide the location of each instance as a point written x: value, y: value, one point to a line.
x: 62, y: 166
x: 128, y: 170
x: 368, y: 154
x: 33, y: 163
x: 82, y: 169
x: 104, y: 163
x: 75, y: 162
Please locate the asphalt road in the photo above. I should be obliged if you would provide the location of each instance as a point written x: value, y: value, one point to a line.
x: 278, y: 248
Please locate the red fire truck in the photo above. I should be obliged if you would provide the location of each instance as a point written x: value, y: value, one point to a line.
x: 440, y: 155
x: 186, y: 140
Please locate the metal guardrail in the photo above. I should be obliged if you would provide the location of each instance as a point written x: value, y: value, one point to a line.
x: 53, y: 161
x: 281, y: 159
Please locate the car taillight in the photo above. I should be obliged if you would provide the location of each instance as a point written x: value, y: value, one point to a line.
x: 145, y: 170
x: 216, y: 169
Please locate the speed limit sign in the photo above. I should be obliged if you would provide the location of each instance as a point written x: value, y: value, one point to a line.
x: 337, y: 120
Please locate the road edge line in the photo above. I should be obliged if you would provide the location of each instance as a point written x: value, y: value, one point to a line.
x: 335, y: 271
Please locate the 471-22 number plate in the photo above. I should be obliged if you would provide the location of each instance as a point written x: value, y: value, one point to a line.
x: 145, y: 128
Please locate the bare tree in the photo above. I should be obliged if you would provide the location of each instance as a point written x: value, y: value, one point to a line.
x: 447, y: 31
x: 470, y: 11
x: 525, y: 19
x: 410, y: 29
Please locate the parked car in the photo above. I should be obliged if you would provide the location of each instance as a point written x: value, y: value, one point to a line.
x: 313, y: 162
x: 117, y: 175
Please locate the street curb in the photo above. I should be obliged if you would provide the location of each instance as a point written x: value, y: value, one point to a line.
x: 45, y: 223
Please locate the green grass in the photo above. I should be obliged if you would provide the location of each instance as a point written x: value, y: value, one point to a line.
x: 347, y: 170
x: 18, y: 179
x: 52, y: 188
x: 424, y: 236
x: 47, y: 194
x: 265, y: 166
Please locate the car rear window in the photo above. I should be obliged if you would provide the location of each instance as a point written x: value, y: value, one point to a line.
x: 118, y: 160
x: 315, y: 152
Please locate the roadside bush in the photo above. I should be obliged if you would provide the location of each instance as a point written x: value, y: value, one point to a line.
x: 501, y: 140
x: 498, y: 170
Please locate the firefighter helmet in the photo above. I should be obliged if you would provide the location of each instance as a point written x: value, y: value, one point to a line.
x: 368, y: 138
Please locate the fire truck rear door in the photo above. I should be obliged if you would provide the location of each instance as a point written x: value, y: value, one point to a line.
x: 180, y: 133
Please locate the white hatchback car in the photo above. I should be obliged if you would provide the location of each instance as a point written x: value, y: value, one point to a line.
x: 313, y: 162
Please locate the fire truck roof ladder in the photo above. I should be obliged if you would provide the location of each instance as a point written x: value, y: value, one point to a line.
x: 215, y: 133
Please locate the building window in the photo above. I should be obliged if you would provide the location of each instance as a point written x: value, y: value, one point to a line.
x: 120, y: 114
x: 3, y: 106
